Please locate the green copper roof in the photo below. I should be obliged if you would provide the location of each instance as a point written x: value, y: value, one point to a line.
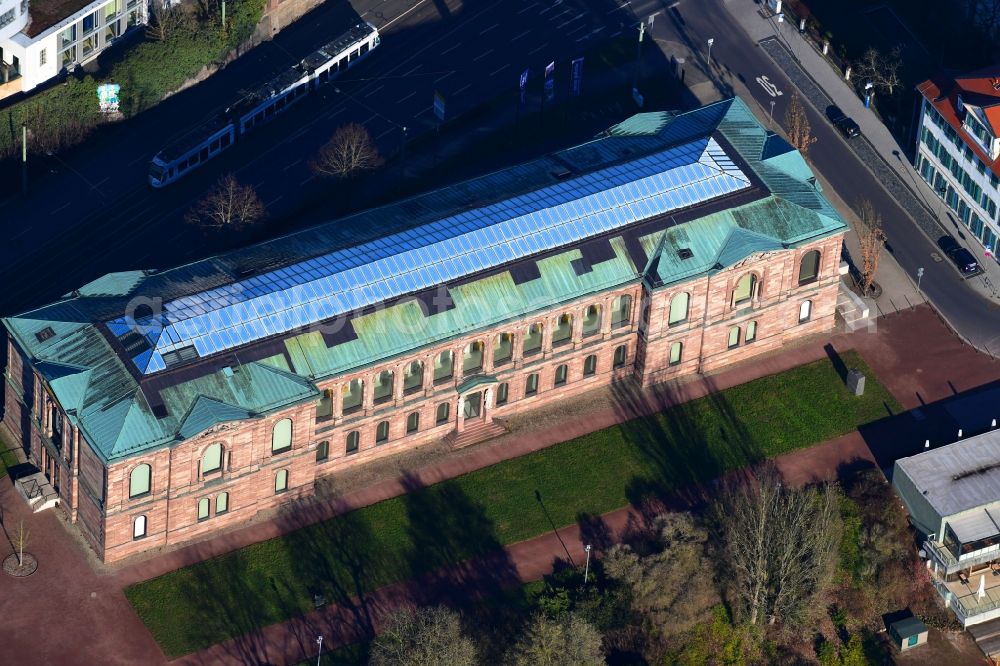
x: 91, y: 372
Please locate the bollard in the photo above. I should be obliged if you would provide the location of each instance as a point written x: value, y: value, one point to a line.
x: 856, y: 382
x: 847, y: 73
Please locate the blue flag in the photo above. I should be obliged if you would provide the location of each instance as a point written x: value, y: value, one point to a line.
x: 577, y: 77
x: 523, y: 84
x: 550, y: 85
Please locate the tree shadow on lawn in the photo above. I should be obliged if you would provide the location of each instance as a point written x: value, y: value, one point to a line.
x: 679, y: 447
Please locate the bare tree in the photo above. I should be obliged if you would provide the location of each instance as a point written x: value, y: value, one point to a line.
x: 780, y: 547
x: 554, y: 642
x: 167, y: 18
x: 660, y: 582
x: 20, y: 540
x: 880, y: 69
x: 228, y: 205
x: 349, y: 152
x: 423, y: 637
x: 797, y: 124
x: 872, y: 238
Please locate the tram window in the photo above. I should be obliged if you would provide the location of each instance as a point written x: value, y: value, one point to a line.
x: 364, y: 48
x: 214, y: 146
x: 225, y: 140
x: 203, y: 155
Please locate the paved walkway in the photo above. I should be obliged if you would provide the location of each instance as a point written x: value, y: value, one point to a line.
x: 912, y: 352
x: 878, y: 149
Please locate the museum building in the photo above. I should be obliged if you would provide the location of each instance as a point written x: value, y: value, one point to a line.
x: 162, y: 406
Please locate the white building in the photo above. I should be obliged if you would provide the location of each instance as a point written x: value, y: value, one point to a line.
x: 958, y: 143
x: 952, y: 495
x: 41, y: 38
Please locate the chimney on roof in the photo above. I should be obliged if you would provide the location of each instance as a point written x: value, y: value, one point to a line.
x: 996, y: 84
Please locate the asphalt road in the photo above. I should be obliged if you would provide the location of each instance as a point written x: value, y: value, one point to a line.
x: 97, y: 214
x: 736, y: 57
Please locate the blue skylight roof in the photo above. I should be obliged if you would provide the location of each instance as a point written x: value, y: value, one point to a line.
x: 352, y: 278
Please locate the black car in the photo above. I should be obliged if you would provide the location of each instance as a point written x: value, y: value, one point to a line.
x: 966, y: 263
x: 848, y: 127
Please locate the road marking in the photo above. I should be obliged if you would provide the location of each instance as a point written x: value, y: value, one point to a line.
x: 463, y: 88
x: 339, y: 110
x: 407, y: 97
x: 566, y: 23
x: 451, y: 49
x: 307, y: 180
x: 384, y: 133
x: 423, y: 112
x: 374, y: 90
x: 497, y: 71
x: 60, y: 208
x: 576, y: 29
x: 526, y: 32
x: 538, y: 49
x: 614, y: 34
x: 136, y: 160
x: 290, y: 165
x: 524, y: 9
x: 414, y: 69
x: 769, y: 87
x: 439, y: 80
x: 482, y: 55
x: 274, y: 200
x: 403, y: 14
x: 492, y: 27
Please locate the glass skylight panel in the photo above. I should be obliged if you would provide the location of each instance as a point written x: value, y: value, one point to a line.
x: 467, y: 242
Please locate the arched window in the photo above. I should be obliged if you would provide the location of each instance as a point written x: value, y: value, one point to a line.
x: 805, y: 311
x: 382, y: 390
x: 590, y: 365
x: 503, y: 348
x: 472, y: 357
x: 203, y: 508
x: 678, y: 308
x: 621, y: 311
x: 809, y: 267
x: 621, y: 356
x: 561, y: 372
x: 353, y: 440
x: 745, y: 289
x: 751, y: 333
x: 281, y: 481
x: 140, y: 480
x: 211, y: 459
x: 531, y: 384
x: 139, y: 527
x: 563, y: 330
x: 322, y: 451
x: 444, y: 365
x: 382, y: 432
x: 281, y: 436
x: 412, y: 422
x: 443, y: 410
x: 221, y: 503
x: 734, y: 337
x: 592, y: 320
x: 325, y: 406
x: 353, y: 394
x: 502, y: 391
x: 676, y: 350
x: 533, y: 339
x: 413, y: 376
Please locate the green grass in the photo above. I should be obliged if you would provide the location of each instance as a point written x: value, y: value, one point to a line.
x: 479, y: 512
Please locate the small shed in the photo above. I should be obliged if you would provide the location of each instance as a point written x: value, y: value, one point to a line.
x: 908, y: 633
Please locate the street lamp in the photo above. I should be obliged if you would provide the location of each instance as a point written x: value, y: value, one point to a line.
x: 711, y: 40
x: 868, y: 94
x: 586, y: 570
x: 770, y: 114
x: 319, y: 655
x: 920, y: 274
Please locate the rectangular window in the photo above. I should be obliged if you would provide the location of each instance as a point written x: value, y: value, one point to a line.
x: 221, y: 503
x: 502, y: 391
x: 322, y: 451
x: 139, y: 527
x: 281, y: 481
x: 675, y: 353
x: 751, y: 333
x: 111, y: 10
x: 6, y: 18
x: 531, y: 386
x: 734, y: 337
x: 43, y: 57
x: 88, y: 45
x: 90, y: 22
x: 203, y: 506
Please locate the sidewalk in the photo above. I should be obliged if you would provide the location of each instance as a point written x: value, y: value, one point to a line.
x: 877, y: 147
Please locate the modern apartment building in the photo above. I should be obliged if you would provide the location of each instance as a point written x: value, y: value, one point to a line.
x: 958, y: 143
x: 162, y: 406
x: 41, y: 38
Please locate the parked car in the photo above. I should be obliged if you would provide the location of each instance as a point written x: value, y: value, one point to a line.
x: 839, y: 119
x: 966, y: 263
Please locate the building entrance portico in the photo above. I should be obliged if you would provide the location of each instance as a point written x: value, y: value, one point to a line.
x: 475, y: 401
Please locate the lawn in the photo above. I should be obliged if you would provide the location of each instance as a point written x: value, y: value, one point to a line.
x: 479, y: 512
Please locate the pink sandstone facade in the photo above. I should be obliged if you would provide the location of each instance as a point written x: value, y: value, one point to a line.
x: 627, y: 337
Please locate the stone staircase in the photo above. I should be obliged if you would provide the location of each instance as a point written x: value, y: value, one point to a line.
x: 475, y: 432
x: 852, y: 309
x: 37, y: 492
